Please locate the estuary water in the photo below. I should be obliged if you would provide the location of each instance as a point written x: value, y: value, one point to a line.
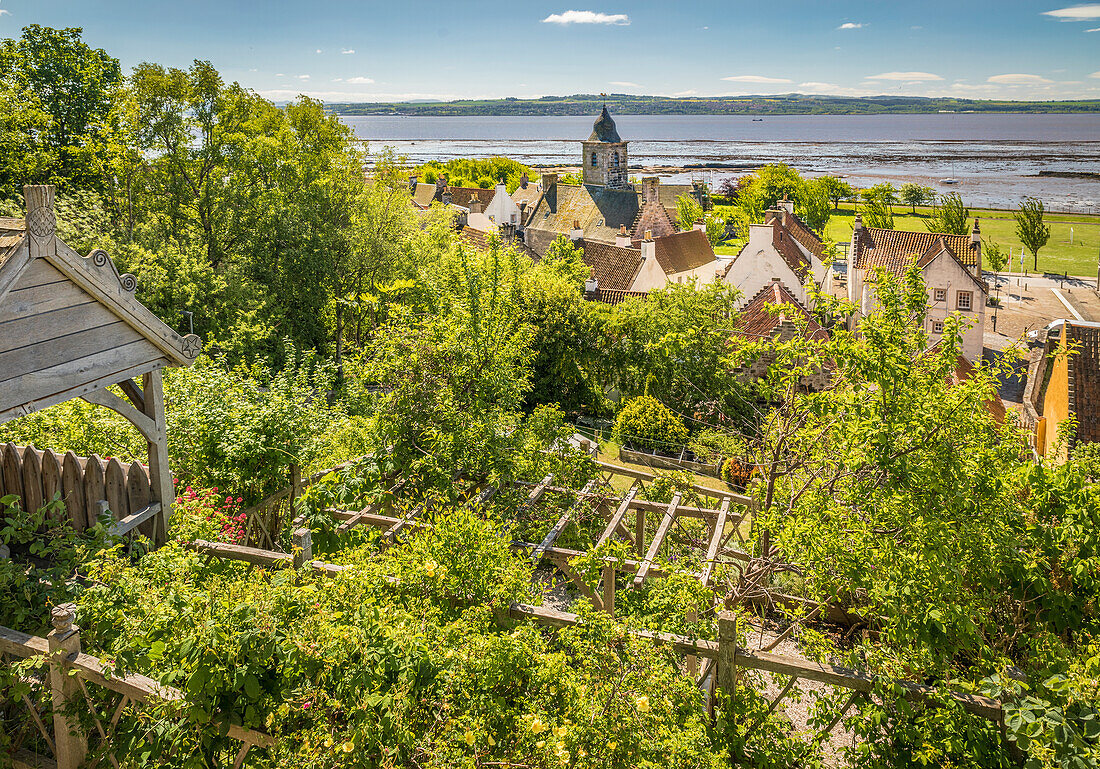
x: 996, y: 158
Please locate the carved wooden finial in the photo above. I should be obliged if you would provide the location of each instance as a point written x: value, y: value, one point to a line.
x: 41, y: 222
x: 62, y: 616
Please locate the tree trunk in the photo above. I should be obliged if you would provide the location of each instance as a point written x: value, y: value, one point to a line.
x: 339, y: 340
x: 1035, y: 251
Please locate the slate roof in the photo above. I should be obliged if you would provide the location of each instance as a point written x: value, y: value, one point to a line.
x: 613, y: 267
x: 1084, y: 379
x: 599, y: 210
x: 603, y: 130
x: 681, y: 251
x: 424, y: 194
x: 528, y: 195
x: 758, y: 320
x: 885, y: 247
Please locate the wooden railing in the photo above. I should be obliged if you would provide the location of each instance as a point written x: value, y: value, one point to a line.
x: 49, y: 735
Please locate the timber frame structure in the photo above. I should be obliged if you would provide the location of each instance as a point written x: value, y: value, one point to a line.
x: 70, y: 327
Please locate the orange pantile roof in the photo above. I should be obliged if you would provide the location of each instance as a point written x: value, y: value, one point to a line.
x: 757, y: 319
x: 785, y: 246
x: 798, y: 230
x: 882, y: 248
x: 681, y: 251
x: 613, y: 267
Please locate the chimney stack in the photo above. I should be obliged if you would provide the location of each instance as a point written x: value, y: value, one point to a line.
x: 650, y: 185
x: 474, y: 204
x: 649, y: 248
x: 576, y: 233
x: 524, y: 181
x: 549, y: 182
x: 412, y: 184
x: 786, y: 204
x: 622, y: 239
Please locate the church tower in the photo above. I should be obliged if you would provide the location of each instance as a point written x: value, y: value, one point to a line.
x: 603, y: 155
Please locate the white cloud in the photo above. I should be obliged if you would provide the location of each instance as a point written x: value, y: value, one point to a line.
x: 624, y: 84
x: 282, y: 94
x: 756, y: 79
x: 4, y: 13
x: 688, y: 92
x: 338, y: 80
x: 1076, y: 12
x: 360, y: 80
x: 1094, y: 29
x: 303, y: 77
x: 905, y: 77
x: 347, y: 51
x: 916, y: 27
x: 851, y: 25
x: 1017, y: 78
x: 1095, y: 74
x: 587, y: 17
x: 318, y: 50
x: 819, y: 87
x: 279, y: 74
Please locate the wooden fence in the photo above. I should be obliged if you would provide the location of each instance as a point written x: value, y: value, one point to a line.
x: 88, y: 486
x: 45, y: 730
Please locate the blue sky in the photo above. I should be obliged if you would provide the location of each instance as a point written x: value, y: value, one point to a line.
x: 342, y: 50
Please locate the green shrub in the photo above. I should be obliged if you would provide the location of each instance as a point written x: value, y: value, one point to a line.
x: 644, y: 422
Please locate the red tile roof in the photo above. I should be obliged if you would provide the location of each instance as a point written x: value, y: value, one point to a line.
x: 884, y: 247
x: 786, y: 247
x: 613, y: 267
x: 898, y: 262
x: 681, y: 251
x: 964, y: 369
x: 618, y: 297
x: 653, y: 218
x: 799, y: 230
x: 1084, y: 379
x: 759, y: 319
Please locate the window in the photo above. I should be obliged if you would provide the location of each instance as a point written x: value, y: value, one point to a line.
x: 614, y: 159
x: 964, y: 300
x: 939, y: 294
x: 937, y: 327
x: 593, y: 159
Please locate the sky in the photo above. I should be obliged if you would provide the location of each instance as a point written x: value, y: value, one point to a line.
x: 363, y: 50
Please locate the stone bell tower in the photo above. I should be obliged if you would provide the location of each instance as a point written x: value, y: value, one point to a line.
x: 603, y: 155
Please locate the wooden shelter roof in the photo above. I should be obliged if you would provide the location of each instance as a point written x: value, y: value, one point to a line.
x: 69, y: 324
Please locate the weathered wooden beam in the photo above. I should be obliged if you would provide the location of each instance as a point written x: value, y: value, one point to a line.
x: 539, y: 490
x: 658, y: 540
x: 715, y: 538
x: 253, y: 555
x: 106, y: 398
x: 686, y: 511
x: 133, y: 520
x: 706, y: 491
x: 617, y: 519
x: 393, y: 531
x: 559, y: 527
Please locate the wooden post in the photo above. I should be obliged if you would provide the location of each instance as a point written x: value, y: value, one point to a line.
x: 692, y: 662
x: 303, y: 547
x: 726, y: 670
x: 41, y: 222
x: 64, y: 641
x: 295, y: 484
x: 160, y: 475
x: 639, y: 532
x: 609, y: 589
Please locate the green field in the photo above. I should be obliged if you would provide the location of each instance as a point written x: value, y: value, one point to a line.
x: 1058, y: 256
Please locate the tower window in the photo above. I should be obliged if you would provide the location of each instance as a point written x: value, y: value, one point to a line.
x: 593, y: 159
x: 615, y: 159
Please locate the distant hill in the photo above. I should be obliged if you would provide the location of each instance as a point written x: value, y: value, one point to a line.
x: 788, y: 104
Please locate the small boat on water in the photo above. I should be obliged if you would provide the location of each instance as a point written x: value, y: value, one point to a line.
x: 949, y: 180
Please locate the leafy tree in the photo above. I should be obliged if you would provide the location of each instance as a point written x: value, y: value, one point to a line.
x: 883, y: 192
x: 877, y: 213
x: 567, y: 260
x: 56, y: 72
x: 836, y: 189
x: 646, y: 423
x: 994, y: 256
x: 26, y: 157
x: 813, y: 204
x: 913, y: 195
x: 688, y: 212
x: 951, y: 216
x: 1030, y: 229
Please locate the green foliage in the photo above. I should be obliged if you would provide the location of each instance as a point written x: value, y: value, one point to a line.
x: 877, y: 213
x: 951, y: 216
x: 1030, y: 228
x: 646, y: 423
x: 836, y: 189
x: 993, y: 256
x: 566, y: 260
x: 884, y: 192
x: 913, y: 195
x: 476, y: 172
x: 688, y: 212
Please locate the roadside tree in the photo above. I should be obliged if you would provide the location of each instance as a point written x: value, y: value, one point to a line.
x: 1030, y: 229
x: 951, y: 217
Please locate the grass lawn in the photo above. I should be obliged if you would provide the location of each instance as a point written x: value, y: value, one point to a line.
x: 999, y: 227
x: 1058, y: 256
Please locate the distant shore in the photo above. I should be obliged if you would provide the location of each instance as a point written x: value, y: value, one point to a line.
x: 782, y: 104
